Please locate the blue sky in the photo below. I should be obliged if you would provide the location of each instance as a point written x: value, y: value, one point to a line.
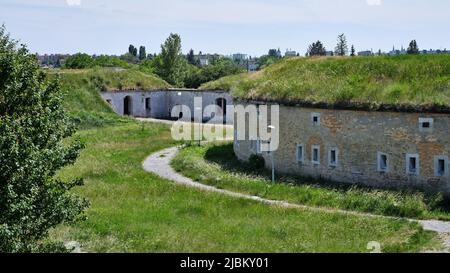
x: 227, y: 26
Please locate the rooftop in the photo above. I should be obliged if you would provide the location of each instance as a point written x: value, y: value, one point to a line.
x: 397, y: 83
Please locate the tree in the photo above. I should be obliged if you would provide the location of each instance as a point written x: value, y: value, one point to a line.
x: 142, y: 53
x: 79, y: 61
x: 353, y: 52
x: 132, y: 50
x: 413, y: 47
x: 33, y: 126
x: 317, y: 49
x: 273, y: 53
x: 341, y: 47
x: 191, y: 57
x: 170, y: 63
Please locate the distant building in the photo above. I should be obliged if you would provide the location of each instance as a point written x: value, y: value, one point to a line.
x: 395, y: 52
x: 290, y: 53
x: 252, y: 65
x: 203, y: 60
x: 365, y: 53
x: 238, y: 57
x: 329, y: 53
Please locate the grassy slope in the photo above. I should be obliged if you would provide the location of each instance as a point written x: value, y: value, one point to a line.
x: 216, y: 165
x: 401, y: 80
x: 133, y: 211
x: 82, y: 92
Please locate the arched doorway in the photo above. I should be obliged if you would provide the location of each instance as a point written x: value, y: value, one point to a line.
x: 128, y: 106
x: 222, y: 103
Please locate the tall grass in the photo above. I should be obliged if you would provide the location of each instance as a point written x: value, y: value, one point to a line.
x: 216, y: 165
x: 399, y: 80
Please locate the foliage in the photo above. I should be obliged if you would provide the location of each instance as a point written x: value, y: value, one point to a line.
x: 413, y: 47
x: 132, y: 50
x: 341, y: 47
x: 33, y: 126
x: 219, y: 68
x: 82, y: 98
x: 109, y: 61
x: 142, y: 53
x: 316, y: 49
x: 410, y: 80
x: 135, y: 211
x: 256, y: 162
x: 353, y: 51
x: 217, y: 165
x: 170, y: 63
x: 191, y: 58
x: 79, y: 61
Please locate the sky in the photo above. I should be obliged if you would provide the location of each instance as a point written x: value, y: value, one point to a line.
x: 225, y: 27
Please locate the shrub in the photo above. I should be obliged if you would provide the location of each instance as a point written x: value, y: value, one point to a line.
x: 256, y: 162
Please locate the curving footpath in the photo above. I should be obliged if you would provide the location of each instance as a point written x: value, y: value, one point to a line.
x: 159, y: 164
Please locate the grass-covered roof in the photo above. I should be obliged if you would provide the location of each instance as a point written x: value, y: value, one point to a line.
x: 410, y: 83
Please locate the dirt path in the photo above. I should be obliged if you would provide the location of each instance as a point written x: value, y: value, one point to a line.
x: 159, y: 163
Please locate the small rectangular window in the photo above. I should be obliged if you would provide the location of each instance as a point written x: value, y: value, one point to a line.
x: 333, y: 156
x: 412, y: 164
x: 383, y: 163
x: 426, y: 124
x: 441, y: 166
x: 315, y: 118
x: 315, y: 154
x: 300, y: 153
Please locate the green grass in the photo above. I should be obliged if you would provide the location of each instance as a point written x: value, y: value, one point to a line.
x: 216, y: 165
x: 82, y: 92
x: 134, y: 211
x: 367, y: 82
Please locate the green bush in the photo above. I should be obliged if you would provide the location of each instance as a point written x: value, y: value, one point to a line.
x: 256, y: 162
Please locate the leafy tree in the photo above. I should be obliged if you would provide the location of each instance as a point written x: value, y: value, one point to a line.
x: 274, y: 53
x: 317, y: 49
x: 79, y: 61
x: 129, y: 58
x: 413, y: 47
x: 353, y: 52
x: 142, y: 53
x: 218, y: 68
x: 33, y: 126
x: 170, y: 63
x: 341, y: 47
x: 110, y: 61
x: 191, y: 58
x: 132, y: 50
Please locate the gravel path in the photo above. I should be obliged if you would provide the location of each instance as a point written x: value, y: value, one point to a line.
x: 159, y: 163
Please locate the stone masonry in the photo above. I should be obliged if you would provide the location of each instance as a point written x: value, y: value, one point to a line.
x: 380, y: 149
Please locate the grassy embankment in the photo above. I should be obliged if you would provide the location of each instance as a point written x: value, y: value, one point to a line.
x: 133, y: 211
x: 217, y: 165
x: 361, y: 82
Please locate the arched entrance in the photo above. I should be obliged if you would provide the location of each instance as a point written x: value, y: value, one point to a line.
x: 222, y: 103
x: 128, y: 106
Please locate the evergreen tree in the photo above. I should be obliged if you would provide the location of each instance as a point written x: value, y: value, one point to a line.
x: 341, y: 47
x: 132, y: 50
x: 353, y: 52
x: 191, y: 57
x: 34, y: 127
x: 316, y: 49
x: 413, y: 47
x: 142, y: 53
